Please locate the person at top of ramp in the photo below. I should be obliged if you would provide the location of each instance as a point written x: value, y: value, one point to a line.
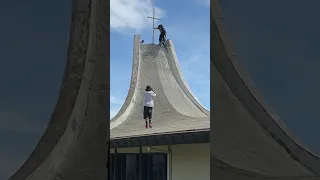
x: 163, y: 34
x: 148, y: 105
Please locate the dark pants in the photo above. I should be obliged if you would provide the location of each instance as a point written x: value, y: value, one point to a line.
x: 162, y: 38
x: 147, y: 112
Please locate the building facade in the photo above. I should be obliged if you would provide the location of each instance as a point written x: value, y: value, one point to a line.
x: 167, y: 162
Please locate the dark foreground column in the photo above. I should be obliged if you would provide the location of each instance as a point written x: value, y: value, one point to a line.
x: 74, y: 146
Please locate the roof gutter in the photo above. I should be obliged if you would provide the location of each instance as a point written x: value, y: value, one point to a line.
x: 187, y: 137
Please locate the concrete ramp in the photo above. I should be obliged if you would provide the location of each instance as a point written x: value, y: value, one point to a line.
x: 176, y: 108
x: 248, y: 140
x: 74, y: 143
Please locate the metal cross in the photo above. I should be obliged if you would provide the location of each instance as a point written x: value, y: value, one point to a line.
x: 153, y: 18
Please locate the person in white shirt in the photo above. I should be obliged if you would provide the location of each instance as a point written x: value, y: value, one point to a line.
x: 148, y: 105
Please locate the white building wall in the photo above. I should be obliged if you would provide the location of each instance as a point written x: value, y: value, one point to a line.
x: 186, y: 161
x: 191, y: 162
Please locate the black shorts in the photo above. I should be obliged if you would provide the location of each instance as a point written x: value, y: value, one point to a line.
x: 147, y: 112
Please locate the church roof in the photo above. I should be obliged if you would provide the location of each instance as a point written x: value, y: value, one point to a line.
x: 176, y: 108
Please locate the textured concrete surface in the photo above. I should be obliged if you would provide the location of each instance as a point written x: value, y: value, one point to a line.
x: 248, y: 140
x: 176, y: 108
x: 74, y: 144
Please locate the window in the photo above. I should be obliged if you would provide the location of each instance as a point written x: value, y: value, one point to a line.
x: 126, y: 166
x: 154, y: 166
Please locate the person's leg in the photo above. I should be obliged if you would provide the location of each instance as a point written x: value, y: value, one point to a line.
x: 145, y: 115
x: 164, y: 41
x: 150, y: 116
x: 161, y: 39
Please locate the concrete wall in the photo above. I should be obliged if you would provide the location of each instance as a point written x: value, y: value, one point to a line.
x: 186, y: 161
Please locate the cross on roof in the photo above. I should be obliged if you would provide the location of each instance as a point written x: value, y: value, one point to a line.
x: 153, y: 18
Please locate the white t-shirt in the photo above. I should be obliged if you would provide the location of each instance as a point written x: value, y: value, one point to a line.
x: 148, y: 98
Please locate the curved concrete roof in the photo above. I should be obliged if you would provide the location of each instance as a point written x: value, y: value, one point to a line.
x: 176, y: 108
x: 74, y: 143
x: 247, y: 136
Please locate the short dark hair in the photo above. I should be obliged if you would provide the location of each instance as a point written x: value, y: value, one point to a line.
x: 148, y: 88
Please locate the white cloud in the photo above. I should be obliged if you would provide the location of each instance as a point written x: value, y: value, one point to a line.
x: 131, y: 15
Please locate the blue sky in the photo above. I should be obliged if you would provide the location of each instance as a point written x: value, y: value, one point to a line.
x: 187, y: 24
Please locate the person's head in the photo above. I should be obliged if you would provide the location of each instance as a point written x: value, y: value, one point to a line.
x: 148, y: 88
x: 160, y: 26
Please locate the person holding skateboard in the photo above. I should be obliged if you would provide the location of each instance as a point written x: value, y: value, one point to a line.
x: 148, y: 105
x: 163, y: 34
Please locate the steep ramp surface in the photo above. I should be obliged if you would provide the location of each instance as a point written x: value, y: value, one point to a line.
x: 176, y: 108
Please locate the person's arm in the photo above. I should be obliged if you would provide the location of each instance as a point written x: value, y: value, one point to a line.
x: 153, y: 93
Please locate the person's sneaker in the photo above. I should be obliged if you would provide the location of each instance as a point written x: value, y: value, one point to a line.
x: 146, y: 126
x: 150, y: 125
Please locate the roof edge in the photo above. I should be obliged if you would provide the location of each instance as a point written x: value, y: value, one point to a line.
x: 184, y: 137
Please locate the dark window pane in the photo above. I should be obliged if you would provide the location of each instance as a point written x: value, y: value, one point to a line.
x: 118, y: 166
x: 122, y: 165
x: 132, y: 167
x: 154, y: 167
x: 147, y: 166
x: 126, y: 166
x: 159, y: 167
